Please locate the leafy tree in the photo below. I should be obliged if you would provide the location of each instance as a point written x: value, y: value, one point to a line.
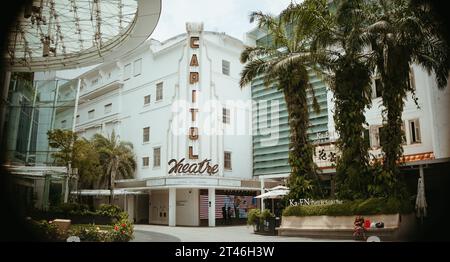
x: 403, y: 34
x: 64, y: 141
x: 284, y: 63
x: 340, y: 48
x: 117, y: 159
x: 79, y: 152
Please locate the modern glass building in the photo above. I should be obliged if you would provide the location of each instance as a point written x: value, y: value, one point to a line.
x: 33, y: 108
x: 270, y: 121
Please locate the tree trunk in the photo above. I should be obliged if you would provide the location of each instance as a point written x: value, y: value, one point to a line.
x: 395, y: 77
x: 111, y: 186
x: 300, y: 151
x: 303, y: 169
x: 352, y: 97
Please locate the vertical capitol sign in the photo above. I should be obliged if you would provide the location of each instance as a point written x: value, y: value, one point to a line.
x: 194, y: 31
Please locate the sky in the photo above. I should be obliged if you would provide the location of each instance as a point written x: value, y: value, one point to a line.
x: 229, y: 16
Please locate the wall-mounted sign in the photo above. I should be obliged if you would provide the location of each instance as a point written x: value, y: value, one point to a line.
x: 312, y: 202
x: 195, y: 42
x: 203, y: 167
x: 326, y: 155
x: 194, y: 60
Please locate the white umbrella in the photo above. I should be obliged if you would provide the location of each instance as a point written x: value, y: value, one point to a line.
x: 421, y: 202
x: 274, y: 194
x: 278, y: 188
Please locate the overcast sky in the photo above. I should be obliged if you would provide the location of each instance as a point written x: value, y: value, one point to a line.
x: 229, y: 16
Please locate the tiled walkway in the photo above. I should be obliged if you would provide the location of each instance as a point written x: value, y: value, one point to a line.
x: 154, y: 233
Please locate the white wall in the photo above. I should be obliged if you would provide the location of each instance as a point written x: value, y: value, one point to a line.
x: 188, y: 207
x: 432, y: 114
x: 168, y: 62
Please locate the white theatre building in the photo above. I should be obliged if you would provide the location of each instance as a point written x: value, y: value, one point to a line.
x: 180, y: 104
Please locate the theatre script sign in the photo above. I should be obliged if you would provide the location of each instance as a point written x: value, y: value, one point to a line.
x: 202, y: 168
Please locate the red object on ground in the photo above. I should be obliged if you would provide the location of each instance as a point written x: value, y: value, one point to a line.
x: 367, y: 223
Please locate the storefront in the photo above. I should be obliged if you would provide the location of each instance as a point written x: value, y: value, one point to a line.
x: 196, y: 200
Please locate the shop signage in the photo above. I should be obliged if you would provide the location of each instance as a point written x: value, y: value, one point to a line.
x: 179, y: 167
x: 312, y: 202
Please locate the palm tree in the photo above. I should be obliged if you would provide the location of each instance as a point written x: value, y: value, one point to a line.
x: 403, y: 34
x: 340, y: 48
x: 117, y: 159
x: 284, y: 63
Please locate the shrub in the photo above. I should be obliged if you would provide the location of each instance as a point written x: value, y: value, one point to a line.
x: 90, y: 233
x: 122, y: 231
x: 266, y: 214
x: 70, y: 208
x: 253, y: 216
x: 45, y: 231
x: 370, y: 206
x: 109, y: 210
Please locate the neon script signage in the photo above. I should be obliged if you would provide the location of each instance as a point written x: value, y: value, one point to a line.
x: 179, y: 167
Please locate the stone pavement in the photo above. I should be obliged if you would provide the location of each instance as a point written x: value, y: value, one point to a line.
x: 156, y: 233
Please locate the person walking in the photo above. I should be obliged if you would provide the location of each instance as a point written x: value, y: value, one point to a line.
x: 224, y: 215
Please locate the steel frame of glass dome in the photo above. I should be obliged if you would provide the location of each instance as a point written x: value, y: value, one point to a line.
x: 138, y: 30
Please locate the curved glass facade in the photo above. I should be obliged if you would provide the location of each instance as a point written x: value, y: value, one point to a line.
x: 32, y: 109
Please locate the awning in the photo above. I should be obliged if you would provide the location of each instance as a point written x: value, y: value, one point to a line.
x: 104, y: 192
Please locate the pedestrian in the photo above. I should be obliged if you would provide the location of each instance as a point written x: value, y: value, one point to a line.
x: 224, y: 215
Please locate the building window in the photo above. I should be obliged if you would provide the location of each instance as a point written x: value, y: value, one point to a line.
x: 137, y: 67
x: 146, y: 134
x: 378, y: 87
x: 127, y: 72
x: 227, y: 160
x: 412, y: 80
x: 77, y: 119
x: 159, y: 91
x: 63, y: 124
x: 404, y: 134
x: 225, y: 67
x: 225, y: 115
x: 157, y: 157
x: 366, y: 136
x: 146, y: 99
x: 91, y: 114
x: 375, y: 136
x: 414, y: 131
x: 108, y: 108
x: 145, y: 161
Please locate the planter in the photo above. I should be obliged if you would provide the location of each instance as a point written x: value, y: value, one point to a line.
x: 396, y: 226
x: 76, y: 219
x: 266, y: 227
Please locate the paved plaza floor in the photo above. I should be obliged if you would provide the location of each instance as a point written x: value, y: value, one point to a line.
x: 155, y: 233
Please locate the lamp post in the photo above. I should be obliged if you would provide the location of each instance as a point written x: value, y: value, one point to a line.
x: 69, y: 172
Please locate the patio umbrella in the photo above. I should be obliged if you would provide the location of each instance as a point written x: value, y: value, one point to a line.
x: 421, y: 202
x: 274, y: 194
x: 280, y: 193
x: 278, y: 188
